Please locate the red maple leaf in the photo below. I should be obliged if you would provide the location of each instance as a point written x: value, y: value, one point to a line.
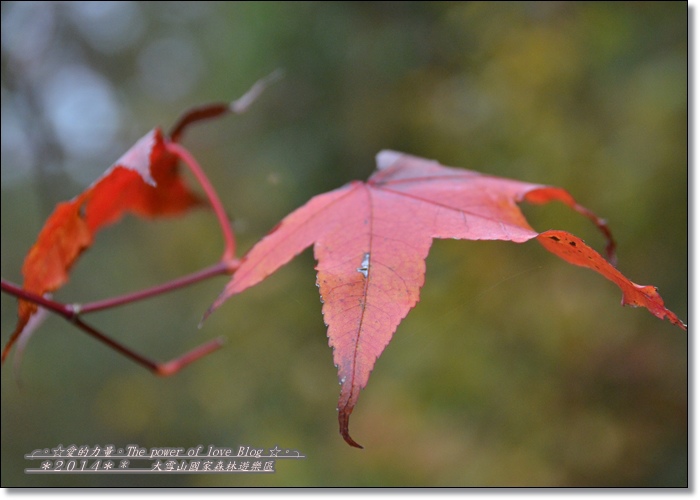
x: 145, y: 181
x: 371, y: 240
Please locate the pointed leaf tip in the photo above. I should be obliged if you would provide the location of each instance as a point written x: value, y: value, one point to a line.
x: 344, y: 421
x: 575, y: 251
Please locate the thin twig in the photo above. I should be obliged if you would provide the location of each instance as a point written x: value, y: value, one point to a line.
x: 71, y: 313
x: 189, y: 279
x: 214, y: 110
x: 163, y: 369
x: 52, y: 305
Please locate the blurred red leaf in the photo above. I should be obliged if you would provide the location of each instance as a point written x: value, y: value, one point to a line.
x: 371, y: 240
x: 145, y: 181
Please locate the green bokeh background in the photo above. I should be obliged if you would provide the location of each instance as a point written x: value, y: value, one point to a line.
x: 515, y: 369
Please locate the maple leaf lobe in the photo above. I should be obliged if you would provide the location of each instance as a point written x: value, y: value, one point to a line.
x: 575, y: 251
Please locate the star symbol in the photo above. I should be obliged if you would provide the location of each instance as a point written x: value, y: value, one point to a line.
x: 274, y: 451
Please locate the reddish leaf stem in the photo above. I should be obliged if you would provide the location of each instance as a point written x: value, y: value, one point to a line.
x: 163, y: 369
x: 189, y: 279
x: 173, y: 366
x: 73, y: 310
x: 217, y: 109
x: 19, y: 292
x: 71, y: 313
x: 199, y: 113
x: 196, y: 169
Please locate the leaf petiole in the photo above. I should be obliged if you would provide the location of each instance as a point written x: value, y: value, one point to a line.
x: 162, y: 369
x: 217, y: 206
x: 71, y: 313
x: 223, y: 267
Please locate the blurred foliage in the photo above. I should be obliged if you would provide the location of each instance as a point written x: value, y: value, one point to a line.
x: 515, y: 369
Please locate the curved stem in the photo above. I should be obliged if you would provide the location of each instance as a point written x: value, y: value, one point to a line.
x: 196, y: 169
x: 197, y: 114
x: 217, y: 109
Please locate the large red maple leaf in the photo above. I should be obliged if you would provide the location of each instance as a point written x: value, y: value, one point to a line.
x: 371, y: 240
